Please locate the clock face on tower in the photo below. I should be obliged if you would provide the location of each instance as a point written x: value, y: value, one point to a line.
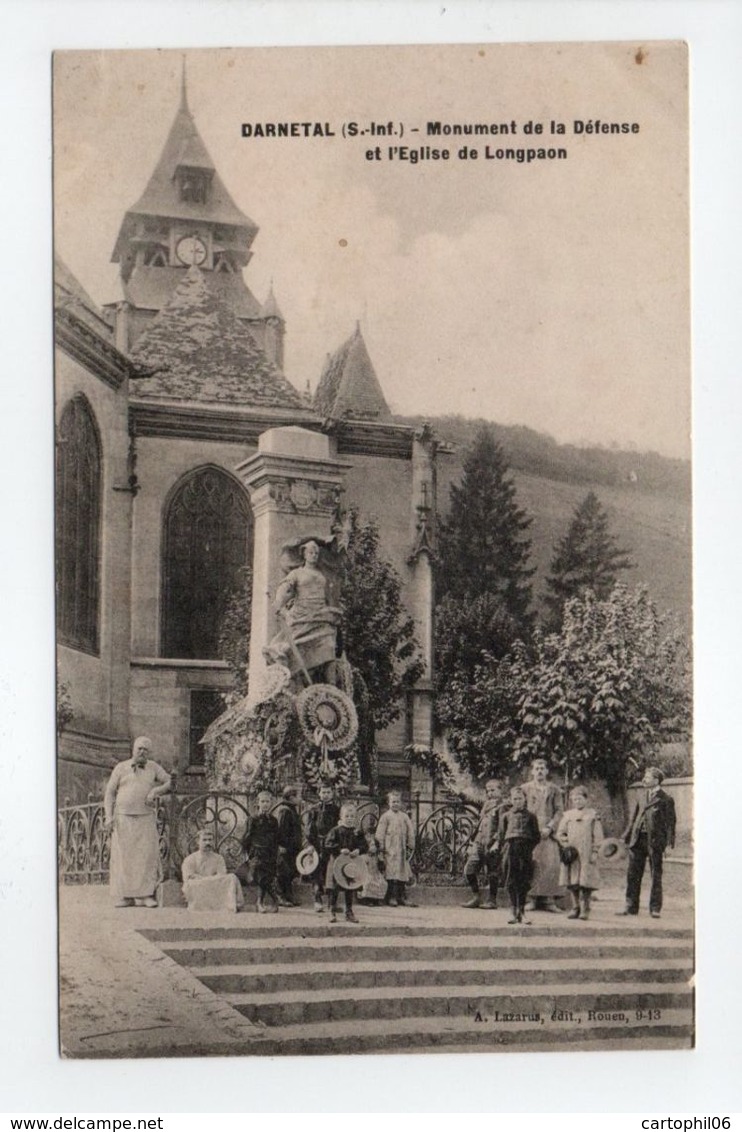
x: 190, y: 250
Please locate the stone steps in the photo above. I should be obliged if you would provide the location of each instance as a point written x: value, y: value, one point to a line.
x: 313, y: 988
x: 459, y: 1034
x: 277, y: 929
x: 373, y: 1003
x: 243, y: 979
x: 444, y: 946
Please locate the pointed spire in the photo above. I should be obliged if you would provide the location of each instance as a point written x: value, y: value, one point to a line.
x: 348, y: 385
x: 184, y: 86
x: 270, y: 308
x: 162, y: 196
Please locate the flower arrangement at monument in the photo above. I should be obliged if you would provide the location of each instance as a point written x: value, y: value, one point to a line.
x: 242, y: 745
x: 317, y: 725
x: 246, y: 745
x: 329, y: 722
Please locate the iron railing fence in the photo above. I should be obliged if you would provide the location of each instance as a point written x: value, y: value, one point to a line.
x: 443, y: 831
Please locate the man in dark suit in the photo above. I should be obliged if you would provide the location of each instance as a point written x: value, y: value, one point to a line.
x: 650, y: 831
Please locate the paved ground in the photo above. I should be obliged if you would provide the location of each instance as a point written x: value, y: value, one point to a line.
x: 117, y: 988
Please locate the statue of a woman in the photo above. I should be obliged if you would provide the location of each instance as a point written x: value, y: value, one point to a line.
x: 308, y: 639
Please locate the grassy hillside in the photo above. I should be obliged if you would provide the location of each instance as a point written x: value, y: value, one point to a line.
x: 646, y: 495
x: 538, y: 454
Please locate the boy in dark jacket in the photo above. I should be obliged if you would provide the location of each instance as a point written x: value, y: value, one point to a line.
x: 290, y: 839
x: 321, y: 819
x: 518, y: 835
x: 261, y: 845
x: 485, y: 848
x: 344, y: 839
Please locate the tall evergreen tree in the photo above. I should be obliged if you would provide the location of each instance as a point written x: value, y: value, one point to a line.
x: 586, y: 558
x: 484, y: 548
x: 378, y: 633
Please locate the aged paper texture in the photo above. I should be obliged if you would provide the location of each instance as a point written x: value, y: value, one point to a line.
x: 372, y: 403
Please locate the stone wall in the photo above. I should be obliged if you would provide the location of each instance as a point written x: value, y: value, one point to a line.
x: 99, y: 684
x: 160, y: 708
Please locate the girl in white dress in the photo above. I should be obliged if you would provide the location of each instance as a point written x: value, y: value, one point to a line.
x: 581, y: 830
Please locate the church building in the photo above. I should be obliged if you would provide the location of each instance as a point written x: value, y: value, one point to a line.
x: 161, y: 399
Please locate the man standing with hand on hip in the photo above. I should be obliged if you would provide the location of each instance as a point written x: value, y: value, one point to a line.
x: 130, y: 803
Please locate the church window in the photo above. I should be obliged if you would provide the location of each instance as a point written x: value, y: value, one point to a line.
x: 207, y: 544
x: 78, y: 511
x: 206, y: 706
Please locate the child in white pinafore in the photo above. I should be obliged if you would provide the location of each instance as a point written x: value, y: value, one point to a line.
x: 580, y: 829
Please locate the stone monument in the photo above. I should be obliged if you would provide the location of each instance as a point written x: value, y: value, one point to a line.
x: 299, y: 709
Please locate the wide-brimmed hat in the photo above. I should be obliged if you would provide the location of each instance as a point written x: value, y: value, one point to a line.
x: 612, y: 847
x: 307, y: 860
x: 349, y: 872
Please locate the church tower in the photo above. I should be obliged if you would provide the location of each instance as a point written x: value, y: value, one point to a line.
x: 186, y: 217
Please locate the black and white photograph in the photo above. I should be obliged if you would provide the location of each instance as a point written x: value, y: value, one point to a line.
x: 373, y: 550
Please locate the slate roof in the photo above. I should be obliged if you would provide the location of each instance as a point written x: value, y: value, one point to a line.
x: 161, y: 197
x: 205, y: 353
x: 348, y: 386
x: 70, y: 294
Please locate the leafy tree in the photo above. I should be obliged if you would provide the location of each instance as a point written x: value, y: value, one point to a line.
x: 378, y: 634
x: 234, y: 634
x: 480, y: 713
x: 596, y: 699
x: 603, y: 693
x: 586, y: 558
x: 65, y: 711
x: 483, y: 546
x: 465, y: 630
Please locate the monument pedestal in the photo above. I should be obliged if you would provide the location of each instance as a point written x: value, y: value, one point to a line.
x: 295, y: 481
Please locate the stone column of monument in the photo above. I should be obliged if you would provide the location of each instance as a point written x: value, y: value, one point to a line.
x: 295, y: 481
x: 422, y: 585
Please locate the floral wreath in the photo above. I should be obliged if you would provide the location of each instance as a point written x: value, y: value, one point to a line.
x: 274, y: 680
x: 340, y: 773
x: 327, y: 717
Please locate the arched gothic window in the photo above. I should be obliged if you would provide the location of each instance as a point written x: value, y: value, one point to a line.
x: 78, y: 512
x: 207, y: 543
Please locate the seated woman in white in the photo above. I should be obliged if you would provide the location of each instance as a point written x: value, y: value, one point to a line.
x: 207, y: 886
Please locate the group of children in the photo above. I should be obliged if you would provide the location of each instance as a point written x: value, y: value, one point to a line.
x: 519, y: 840
x: 332, y: 831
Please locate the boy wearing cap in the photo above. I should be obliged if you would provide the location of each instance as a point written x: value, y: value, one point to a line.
x: 290, y: 838
x: 321, y: 819
x: 518, y: 836
x: 649, y: 833
x: 484, y: 849
x: 261, y: 845
x: 343, y: 840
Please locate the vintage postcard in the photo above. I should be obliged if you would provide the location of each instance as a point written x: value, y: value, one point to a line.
x: 373, y: 550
